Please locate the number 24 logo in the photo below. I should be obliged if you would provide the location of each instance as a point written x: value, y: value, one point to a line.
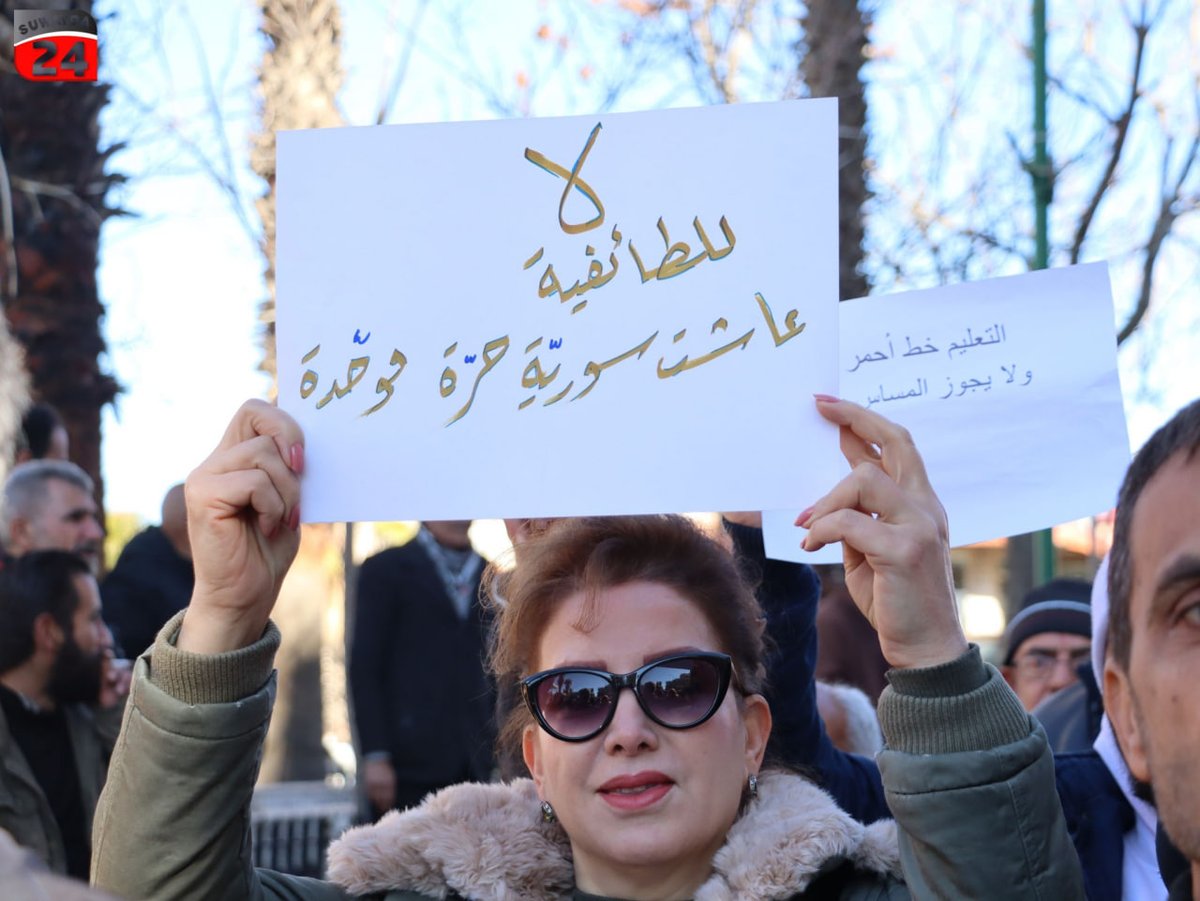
x: 74, y: 60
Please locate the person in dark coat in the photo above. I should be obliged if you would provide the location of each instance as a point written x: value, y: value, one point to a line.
x: 153, y: 579
x: 848, y: 653
x: 1072, y: 715
x: 422, y: 700
x: 788, y: 593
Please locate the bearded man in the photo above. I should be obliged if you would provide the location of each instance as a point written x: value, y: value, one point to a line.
x: 60, y: 705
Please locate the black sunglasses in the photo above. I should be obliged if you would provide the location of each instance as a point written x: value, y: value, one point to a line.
x: 679, y: 692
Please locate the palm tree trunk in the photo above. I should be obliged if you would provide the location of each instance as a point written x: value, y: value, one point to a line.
x: 832, y: 54
x: 300, y: 76
x: 49, y: 139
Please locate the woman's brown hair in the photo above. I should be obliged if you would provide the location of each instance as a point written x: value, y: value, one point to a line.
x: 591, y: 554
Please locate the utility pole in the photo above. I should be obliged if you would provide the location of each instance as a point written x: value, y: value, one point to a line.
x: 1043, y: 190
x: 1030, y: 557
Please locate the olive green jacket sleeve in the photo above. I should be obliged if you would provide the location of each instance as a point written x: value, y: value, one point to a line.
x: 969, y: 778
x: 174, y: 818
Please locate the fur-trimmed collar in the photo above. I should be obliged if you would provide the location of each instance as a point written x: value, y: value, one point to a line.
x: 488, y: 841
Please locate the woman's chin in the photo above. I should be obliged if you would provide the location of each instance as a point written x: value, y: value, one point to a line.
x: 650, y: 841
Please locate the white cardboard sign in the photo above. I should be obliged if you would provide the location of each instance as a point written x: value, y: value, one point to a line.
x: 618, y: 313
x: 1009, y: 387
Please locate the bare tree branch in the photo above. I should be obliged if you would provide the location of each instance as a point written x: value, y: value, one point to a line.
x: 215, y: 111
x: 1120, y: 132
x: 200, y: 155
x: 1169, y: 210
x: 36, y: 188
x: 402, y: 64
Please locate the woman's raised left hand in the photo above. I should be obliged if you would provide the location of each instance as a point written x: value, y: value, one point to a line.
x: 894, y: 536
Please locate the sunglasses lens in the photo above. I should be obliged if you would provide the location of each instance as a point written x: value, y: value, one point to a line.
x: 681, y: 692
x: 574, y: 704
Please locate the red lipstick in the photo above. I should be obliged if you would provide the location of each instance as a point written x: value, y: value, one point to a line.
x: 637, y: 791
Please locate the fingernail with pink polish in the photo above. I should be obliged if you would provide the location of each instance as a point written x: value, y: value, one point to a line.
x: 294, y: 519
x: 296, y: 458
x: 827, y: 398
x: 804, y: 517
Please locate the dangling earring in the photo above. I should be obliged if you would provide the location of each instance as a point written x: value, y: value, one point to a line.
x: 753, y: 783
x: 548, y: 813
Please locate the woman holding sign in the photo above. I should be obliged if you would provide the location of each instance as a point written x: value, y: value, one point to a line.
x: 644, y: 726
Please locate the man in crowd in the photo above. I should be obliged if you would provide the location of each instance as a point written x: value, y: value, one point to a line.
x: 422, y: 701
x: 1153, y: 659
x: 1048, y: 640
x: 48, y: 504
x: 152, y: 580
x: 59, y: 706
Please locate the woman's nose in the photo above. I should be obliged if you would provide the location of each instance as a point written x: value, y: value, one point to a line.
x: 630, y: 731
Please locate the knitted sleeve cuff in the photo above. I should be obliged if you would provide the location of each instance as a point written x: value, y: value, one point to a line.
x: 211, y: 678
x: 963, y: 705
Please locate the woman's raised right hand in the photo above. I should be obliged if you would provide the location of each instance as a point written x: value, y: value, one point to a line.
x: 244, y: 528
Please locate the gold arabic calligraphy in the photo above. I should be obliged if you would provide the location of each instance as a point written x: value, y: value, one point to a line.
x: 677, y: 255
x: 536, y: 375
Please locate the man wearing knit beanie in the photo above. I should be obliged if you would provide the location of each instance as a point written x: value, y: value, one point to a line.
x: 1048, y: 640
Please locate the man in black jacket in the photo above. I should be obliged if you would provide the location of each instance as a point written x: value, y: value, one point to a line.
x: 422, y: 700
x: 153, y: 578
